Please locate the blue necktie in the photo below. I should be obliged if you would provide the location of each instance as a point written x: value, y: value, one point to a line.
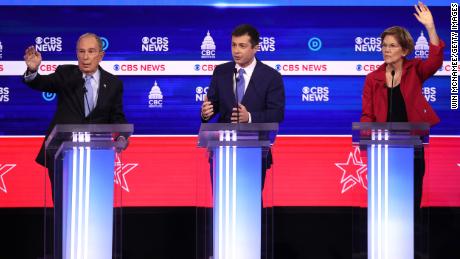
x: 89, y: 101
x: 240, y: 85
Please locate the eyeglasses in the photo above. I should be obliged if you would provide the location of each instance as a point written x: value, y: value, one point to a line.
x: 390, y: 46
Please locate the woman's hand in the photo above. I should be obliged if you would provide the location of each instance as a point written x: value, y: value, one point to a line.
x: 423, y: 15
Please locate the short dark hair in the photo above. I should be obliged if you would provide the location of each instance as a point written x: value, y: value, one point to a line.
x: 402, y: 36
x: 244, y: 29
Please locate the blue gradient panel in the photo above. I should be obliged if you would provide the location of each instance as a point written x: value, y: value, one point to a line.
x: 338, y: 99
x: 243, y: 3
x: 237, y: 202
x: 28, y: 113
x: 390, y: 202
x: 88, y: 203
x: 185, y: 27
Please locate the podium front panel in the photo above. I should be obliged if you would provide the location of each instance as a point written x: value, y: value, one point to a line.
x: 81, y: 160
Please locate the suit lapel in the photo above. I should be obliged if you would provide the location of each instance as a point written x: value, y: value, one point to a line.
x: 103, y: 84
x: 79, y: 83
x: 230, y: 77
x: 251, y: 84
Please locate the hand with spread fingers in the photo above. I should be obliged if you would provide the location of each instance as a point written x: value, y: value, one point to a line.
x: 425, y: 17
x: 33, y: 58
x: 423, y: 14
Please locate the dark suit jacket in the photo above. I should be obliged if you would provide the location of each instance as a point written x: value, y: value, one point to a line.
x: 67, y: 82
x: 264, y: 97
x: 414, y: 74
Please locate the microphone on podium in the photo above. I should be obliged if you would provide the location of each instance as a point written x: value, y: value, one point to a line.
x: 235, y: 72
x: 391, y: 94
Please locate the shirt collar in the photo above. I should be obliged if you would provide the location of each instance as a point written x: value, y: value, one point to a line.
x: 249, y: 69
x: 96, y: 76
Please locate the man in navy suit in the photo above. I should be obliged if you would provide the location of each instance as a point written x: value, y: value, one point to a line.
x: 261, y: 96
x: 245, y: 91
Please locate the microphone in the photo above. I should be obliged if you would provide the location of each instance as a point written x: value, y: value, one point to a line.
x: 235, y: 72
x: 391, y: 94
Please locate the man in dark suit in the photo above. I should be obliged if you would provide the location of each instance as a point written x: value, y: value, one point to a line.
x: 258, y: 90
x: 263, y: 97
x: 245, y: 91
x: 85, y: 93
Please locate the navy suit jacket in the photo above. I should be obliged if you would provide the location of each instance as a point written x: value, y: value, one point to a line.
x: 264, y: 97
x: 68, y: 84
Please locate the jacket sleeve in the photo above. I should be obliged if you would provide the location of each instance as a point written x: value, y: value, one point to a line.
x: 47, y: 83
x: 428, y: 67
x: 213, y: 95
x: 368, y: 114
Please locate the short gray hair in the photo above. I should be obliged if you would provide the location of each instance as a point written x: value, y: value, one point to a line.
x: 90, y: 34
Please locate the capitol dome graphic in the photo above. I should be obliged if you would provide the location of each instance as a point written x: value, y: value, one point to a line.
x: 208, y: 42
x: 421, y: 47
x: 155, y: 96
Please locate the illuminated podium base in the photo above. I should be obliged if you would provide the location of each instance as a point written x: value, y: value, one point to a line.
x: 390, y: 196
x: 237, y: 202
x: 237, y: 151
x: 84, y: 169
x: 390, y: 210
x: 87, y: 202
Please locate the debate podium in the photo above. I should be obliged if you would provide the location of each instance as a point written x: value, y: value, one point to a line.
x: 390, y: 176
x: 237, y: 151
x: 84, y: 162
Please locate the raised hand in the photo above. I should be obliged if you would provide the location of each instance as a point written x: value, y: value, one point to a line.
x: 33, y: 58
x: 423, y: 15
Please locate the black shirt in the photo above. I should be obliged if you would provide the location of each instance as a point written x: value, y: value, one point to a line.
x: 396, y: 106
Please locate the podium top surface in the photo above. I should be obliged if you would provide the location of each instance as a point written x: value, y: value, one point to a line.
x: 66, y: 132
x: 391, y: 126
x: 237, y: 134
x: 390, y: 133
